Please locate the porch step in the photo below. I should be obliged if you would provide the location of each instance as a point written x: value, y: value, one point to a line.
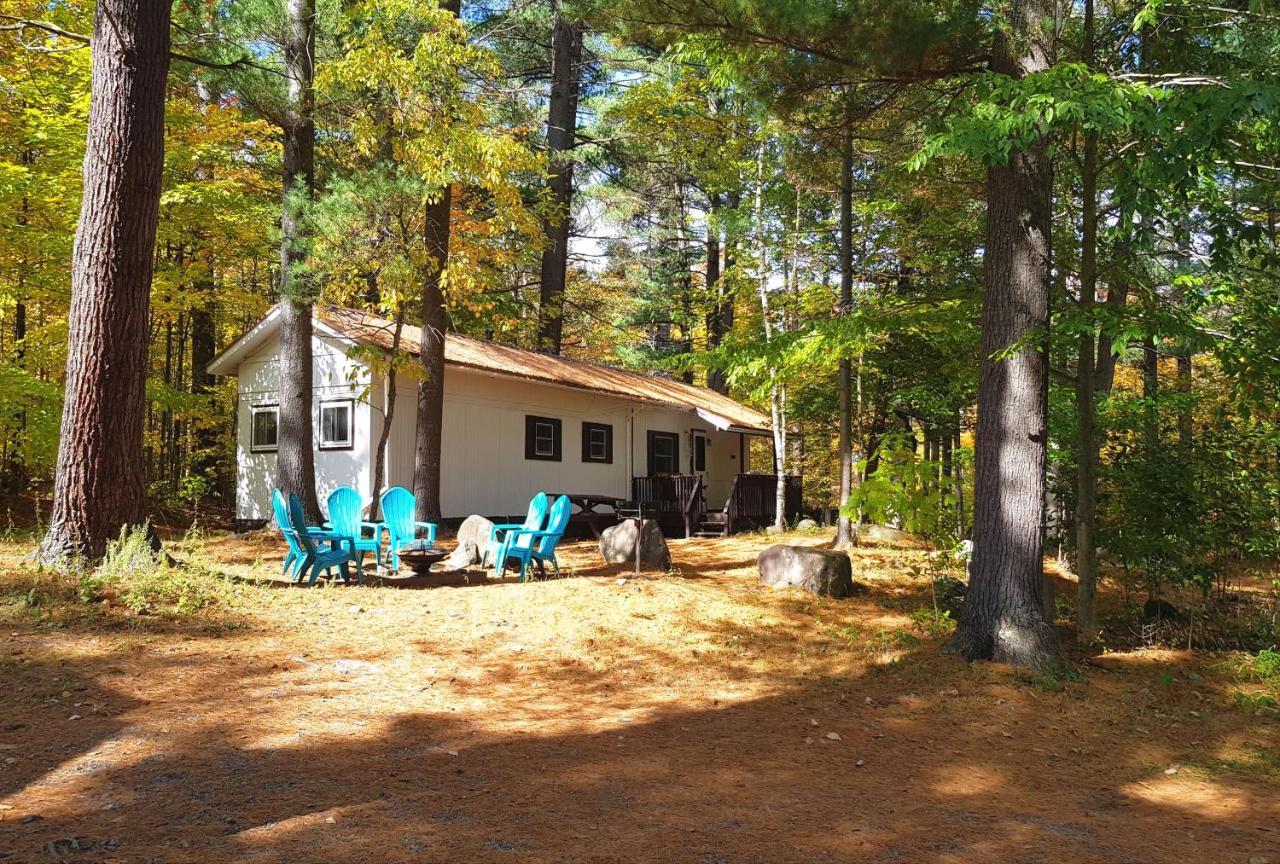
x: 711, y: 528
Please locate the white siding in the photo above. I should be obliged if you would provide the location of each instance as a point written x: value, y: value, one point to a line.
x: 336, y: 376
x: 484, y: 468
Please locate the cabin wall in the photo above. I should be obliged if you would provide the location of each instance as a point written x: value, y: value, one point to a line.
x: 484, y: 467
x: 336, y: 376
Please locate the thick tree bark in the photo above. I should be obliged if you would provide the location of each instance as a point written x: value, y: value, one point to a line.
x: 430, y: 412
x: 562, y: 127
x: 1086, y: 467
x: 1004, y: 618
x: 295, y: 452
x: 844, y: 527
x: 99, y: 482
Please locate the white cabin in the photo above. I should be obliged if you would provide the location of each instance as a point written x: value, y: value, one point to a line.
x: 515, y: 422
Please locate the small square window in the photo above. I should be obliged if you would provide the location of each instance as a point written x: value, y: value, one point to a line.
x: 335, y: 424
x: 542, y: 438
x: 264, y: 422
x: 664, y: 453
x: 597, y: 443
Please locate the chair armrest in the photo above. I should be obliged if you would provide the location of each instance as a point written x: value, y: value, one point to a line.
x: 430, y: 529
x: 332, y: 537
x: 493, y: 531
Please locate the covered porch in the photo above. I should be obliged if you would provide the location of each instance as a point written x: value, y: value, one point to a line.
x: 680, y: 503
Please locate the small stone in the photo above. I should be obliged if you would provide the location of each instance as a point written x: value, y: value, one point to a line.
x: 330, y: 820
x: 859, y: 763
x: 868, y: 701
x: 808, y: 740
x: 1006, y: 733
x: 813, y: 722
x: 833, y: 736
x: 452, y: 752
x: 1173, y: 770
x: 74, y: 717
x: 11, y: 760
x: 621, y: 582
x: 355, y: 609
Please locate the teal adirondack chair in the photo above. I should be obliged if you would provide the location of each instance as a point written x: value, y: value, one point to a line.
x: 344, y: 518
x: 317, y: 559
x: 398, y: 510
x: 294, y: 558
x: 503, y: 538
x: 541, y: 545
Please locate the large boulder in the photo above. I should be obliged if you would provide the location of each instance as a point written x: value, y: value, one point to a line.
x: 473, y: 535
x: 618, y: 545
x: 818, y: 571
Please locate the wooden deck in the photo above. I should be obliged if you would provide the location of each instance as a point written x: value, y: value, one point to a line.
x: 679, y: 503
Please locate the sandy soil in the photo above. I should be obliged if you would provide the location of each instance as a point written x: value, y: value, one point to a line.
x: 684, y: 717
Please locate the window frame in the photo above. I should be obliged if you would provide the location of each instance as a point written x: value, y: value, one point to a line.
x: 254, y: 411
x: 350, y: 443
x: 587, y: 455
x: 531, y: 423
x: 653, y: 437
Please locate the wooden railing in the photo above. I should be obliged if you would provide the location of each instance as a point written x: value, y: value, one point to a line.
x: 753, y: 501
x: 678, y: 501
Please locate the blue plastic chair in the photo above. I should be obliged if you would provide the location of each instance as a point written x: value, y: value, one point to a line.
x: 398, y: 511
x: 540, y: 546
x: 318, y: 559
x: 503, y: 538
x: 344, y: 518
x: 294, y: 558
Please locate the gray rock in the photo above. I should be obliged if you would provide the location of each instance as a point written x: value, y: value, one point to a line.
x: 774, y: 530
x: 889, y: 534
x: 807, y: 524
x: 473, y: 535
x: 818, y: 571
x: 618, y: 545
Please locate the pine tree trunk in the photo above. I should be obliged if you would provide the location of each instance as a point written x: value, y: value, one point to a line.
x: 844, y: 527
x: 1087, y: 458
x: 1184, y: 407
x: 99, y: 482
x: 430, y: 411
x: 562, y: 126
x: 1004, y: 618
x: 715, y: 377
x: 295, y: 451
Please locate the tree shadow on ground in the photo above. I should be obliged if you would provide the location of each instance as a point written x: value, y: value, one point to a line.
x: 910, y: 775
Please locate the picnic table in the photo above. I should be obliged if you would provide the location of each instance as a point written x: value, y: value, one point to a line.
x: 587, y: 504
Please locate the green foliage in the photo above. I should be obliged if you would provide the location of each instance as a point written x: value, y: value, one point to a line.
x: 145, y: 582
x: 904, y: 490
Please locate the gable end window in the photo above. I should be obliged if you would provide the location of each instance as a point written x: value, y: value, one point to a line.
x: 541, y: 438
x: 664, y: 453
x: 336, y: 420
x: 597, y: 443
x: 264, y: 428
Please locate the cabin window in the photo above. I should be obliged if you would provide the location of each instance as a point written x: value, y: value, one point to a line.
x: 664, y: 453
x: 264, y: 424
x: 597, y: 443
x: 542, y: 438
x: 335, y: 424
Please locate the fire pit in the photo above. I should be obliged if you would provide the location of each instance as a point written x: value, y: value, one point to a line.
x: 419, y: 557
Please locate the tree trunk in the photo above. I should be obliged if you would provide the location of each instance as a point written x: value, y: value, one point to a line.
x: 1184, y: 406
x: 1086, y: 467
x: 1004, y: 617
x: 844, y: 527
x: 99, y: 481
x: 562, y: 125
x: 715, y: 377
x: 430, y: 413
x: 295, y: 451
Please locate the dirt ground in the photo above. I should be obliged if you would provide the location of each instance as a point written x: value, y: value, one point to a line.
x: 683, y: 717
